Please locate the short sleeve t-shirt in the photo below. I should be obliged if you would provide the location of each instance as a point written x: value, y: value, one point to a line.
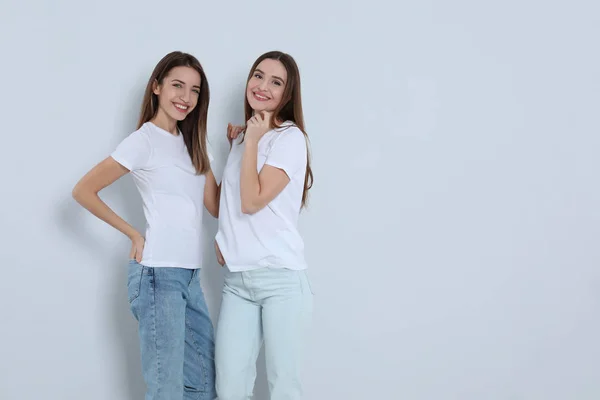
x: 269, y: 237
x: 172, y: 195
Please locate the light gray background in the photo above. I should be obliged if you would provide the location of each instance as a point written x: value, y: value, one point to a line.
x: 453, y: 224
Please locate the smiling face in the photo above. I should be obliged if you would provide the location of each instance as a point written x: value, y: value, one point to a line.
x: 178, y: 92
x: 266, y: 86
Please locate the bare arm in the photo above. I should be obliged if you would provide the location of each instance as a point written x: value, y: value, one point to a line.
x: 86, y: 191
x: 212, y: 194
x: 212, y: 191
x: 220, y: 258
x: 258, y: 190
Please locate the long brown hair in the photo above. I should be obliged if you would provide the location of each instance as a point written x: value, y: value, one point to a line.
x: 193, y: 127
x: 290, y: 108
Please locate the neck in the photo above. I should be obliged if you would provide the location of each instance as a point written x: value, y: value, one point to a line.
x: 163, y: 121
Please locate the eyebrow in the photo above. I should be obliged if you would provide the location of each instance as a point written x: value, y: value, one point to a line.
x: 276, y: 77
x: 180, y: 81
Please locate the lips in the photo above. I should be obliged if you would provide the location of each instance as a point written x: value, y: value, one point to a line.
x: 181, y: 108
x: 260, y: 97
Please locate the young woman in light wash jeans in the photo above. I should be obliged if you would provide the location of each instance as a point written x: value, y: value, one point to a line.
x: 170, y: 164
x: 266, y: 296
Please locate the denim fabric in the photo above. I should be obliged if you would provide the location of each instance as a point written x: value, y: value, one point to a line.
x: 176, y: 333
x: 267, y: 305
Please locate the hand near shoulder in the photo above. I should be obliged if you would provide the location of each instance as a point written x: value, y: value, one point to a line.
x: 233, y: 131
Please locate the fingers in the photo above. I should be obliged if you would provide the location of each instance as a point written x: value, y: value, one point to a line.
x: 220, y: 258
x: 229, y: 131
x: 236, y: 131
x: 138, y: 249
x: 233, y: 131
x: 138, y: 254
x: 261, y: 117
x: 264, y: 116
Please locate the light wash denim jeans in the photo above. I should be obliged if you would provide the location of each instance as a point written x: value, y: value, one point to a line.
x: 270, y: 305
x: 176, y: 333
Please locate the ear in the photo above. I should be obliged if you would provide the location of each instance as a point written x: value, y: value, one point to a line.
x: 156, y: 88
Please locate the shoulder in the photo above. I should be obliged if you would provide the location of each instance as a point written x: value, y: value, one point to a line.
x: 141, y: 134
x: 141, y: 140
x: 147, y: 131
x: 288, y: 126
x: 287, y: 143
x: 289, y: 133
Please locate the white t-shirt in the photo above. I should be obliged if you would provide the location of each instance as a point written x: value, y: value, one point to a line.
x: 269, y: 237
x: 172, y: 194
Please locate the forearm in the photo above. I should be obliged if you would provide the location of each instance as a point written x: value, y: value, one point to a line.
x: 249, y: 182
x: 212, y: 204
x: 218, y: 198
x: 92, y: 202
x: 212, y: 195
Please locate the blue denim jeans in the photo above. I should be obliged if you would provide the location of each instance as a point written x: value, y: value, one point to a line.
x: 176, y: 333
x: 270, y: 306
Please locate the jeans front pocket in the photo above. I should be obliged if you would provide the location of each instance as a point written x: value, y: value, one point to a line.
x: 195, y: 277
x: 134, y: 280
x: 306, y: 282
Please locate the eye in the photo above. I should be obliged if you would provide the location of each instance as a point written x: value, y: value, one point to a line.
x: 177, y: 85
x: 277, y: 83
x: 258, y: 76
x: 197, y: 91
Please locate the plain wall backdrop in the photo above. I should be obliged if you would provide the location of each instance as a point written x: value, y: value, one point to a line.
x: 453, y: 226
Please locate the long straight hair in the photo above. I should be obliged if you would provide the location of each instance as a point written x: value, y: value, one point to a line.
x: 193, y: 127
x: 289, y: 109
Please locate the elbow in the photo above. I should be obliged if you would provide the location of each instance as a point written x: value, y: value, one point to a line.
x: 76, y: 193
x: 252, y: 204
x: 248, y: 208
x: 80, y: 193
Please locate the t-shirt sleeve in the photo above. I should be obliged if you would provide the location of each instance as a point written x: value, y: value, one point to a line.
x: 133, y: 152
x: 288, y: 152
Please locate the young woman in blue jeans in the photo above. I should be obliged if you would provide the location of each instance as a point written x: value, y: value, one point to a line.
x: 170, y: 164
x: 266, y: 296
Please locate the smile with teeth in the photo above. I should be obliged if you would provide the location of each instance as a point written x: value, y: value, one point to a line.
x: 180, y: 107
x: 260, y: 97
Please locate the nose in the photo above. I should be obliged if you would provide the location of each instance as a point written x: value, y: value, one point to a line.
x: 185, y: 96
x: 263, y: 85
